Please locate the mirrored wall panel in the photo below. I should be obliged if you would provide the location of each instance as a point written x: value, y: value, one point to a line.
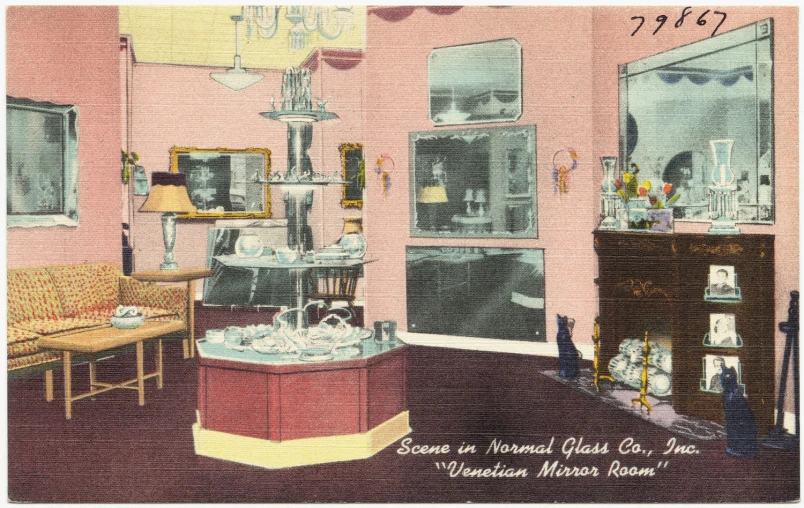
x: 474, y: 182
x: 674, y: 103
x: 476, y: 83
x: 476, y: 292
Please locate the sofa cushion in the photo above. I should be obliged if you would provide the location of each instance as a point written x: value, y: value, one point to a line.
x: 21, y: 342
x: 86, y: 286
x: 32, y: 295
x: 34, y: 359
x: 54, y: 326
x: 150, y: 313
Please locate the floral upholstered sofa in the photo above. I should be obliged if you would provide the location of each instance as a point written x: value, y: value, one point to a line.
x: 71, y: 298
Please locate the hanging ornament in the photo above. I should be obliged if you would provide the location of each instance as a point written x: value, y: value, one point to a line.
x: 564, y: 161
x: 384, y: 172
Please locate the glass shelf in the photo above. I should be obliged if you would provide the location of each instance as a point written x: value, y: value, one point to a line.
x: 289, y: 116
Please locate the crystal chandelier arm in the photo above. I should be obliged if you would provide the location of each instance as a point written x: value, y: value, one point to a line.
x: 258, y: 14
x: 322, y: 20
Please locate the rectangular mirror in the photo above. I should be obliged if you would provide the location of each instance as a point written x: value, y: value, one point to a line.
x: 672, y: 104
x: 42, y: 163
x: 220, y: 181
x: 474, y: 183
x: 476, y: 292
x: 353, y: 171
x: 476, y: 83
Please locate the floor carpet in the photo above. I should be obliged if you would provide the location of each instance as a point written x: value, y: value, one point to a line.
x: 662, y: 413
x: 115, y: 451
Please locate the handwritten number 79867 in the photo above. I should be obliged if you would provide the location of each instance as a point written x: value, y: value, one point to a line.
x: 662, y: 19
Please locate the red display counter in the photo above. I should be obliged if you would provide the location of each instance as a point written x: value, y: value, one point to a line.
x: 278, y: 411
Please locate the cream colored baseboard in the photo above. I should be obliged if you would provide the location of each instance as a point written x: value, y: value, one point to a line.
x: 491, y: 345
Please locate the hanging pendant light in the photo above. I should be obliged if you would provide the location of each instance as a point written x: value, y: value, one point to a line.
x: 236, y: 78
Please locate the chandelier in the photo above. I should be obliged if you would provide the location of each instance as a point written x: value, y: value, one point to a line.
x: 329, y: 21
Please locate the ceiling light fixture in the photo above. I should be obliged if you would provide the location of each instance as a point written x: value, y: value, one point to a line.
x: 329, y: 21
x: 236, y: 78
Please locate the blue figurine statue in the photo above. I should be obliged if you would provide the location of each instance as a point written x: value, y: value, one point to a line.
x: 567, y: 353
x: 741, y: 427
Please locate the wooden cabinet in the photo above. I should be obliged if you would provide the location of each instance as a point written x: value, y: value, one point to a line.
x: 657, y: 283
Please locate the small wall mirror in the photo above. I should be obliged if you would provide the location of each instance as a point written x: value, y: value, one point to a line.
x: 474, y: 183
x: 220, y: 181
x: 354, y: 173
x: 672, y: 104
x: 476, y: 83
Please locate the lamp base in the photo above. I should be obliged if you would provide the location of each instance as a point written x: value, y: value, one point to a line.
x: 609, y: 224
x: 169, y: 265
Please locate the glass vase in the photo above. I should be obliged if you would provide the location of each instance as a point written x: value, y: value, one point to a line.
x: 609, y: 198
x: 722, y: 174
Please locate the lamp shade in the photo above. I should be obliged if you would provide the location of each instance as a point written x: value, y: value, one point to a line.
x: 168, y: 194
x: 434, y: 194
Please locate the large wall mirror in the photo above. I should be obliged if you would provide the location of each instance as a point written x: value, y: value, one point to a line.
x: 476, y: 83
x: 221, y: 182
x: 474, y: 182
x: 672, y: 104
x: 42, y: 163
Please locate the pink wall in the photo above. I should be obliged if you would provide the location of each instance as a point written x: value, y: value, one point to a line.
x: 69, y: 55
x: 557, y: 98
x: 183, y: 106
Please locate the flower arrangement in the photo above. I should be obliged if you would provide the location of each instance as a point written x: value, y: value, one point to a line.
x: 629, y: 188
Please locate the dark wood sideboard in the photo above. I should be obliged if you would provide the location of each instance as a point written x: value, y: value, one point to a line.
x: 656, y: 282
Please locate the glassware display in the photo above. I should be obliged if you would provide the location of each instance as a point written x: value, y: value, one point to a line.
x: 609, y: 198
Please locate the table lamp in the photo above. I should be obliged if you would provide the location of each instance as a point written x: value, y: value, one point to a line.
x: 432, y: 196
x: 168, y: 195
x: 480, y: 199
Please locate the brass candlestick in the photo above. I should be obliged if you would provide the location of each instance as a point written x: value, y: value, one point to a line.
x: 596, y: 362
x: 643, y: 391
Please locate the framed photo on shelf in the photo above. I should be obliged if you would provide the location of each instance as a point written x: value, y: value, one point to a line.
x: 722, y: 285
x: 713, y: 366
x: 722, y: 331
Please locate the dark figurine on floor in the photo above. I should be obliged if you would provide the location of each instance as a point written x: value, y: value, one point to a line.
x: 567, y: 353
x: 741, y: 427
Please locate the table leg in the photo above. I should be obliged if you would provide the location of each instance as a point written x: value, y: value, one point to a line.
x: 158, y: 354
x: 140, y: 374
x: 191, y: 316
x: 49, y: 386
x: 92, y: 374
x: 68, y: 380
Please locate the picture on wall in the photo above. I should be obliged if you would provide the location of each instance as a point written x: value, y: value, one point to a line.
x: 474, y: 183
x: 476, y: 292
x: 713, y: 366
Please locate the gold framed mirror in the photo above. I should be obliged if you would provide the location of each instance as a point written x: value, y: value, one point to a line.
x: 221, y: 182
x: 354, y: 172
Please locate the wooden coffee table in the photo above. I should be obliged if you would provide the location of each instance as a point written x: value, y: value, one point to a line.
x: 103, y: 339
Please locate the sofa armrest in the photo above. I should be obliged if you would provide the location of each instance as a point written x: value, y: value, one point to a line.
x: 150, y: 294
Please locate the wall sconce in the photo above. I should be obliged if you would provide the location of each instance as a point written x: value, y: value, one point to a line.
x: 168, y: 195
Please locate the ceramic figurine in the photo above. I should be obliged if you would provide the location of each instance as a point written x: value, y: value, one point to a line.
x: 741, y: 427
x: 567, y: 353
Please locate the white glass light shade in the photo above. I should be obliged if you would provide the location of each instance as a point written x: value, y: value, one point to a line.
x: 236, y: 78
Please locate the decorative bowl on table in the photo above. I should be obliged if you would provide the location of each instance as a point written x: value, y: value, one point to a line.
x: 127, y: 317
x: 286, y: 256
x: 128, y: 322
x: 249, y: 246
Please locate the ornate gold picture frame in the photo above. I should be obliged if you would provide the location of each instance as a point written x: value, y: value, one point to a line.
x: 221, y: 181
x: 354, y: 171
